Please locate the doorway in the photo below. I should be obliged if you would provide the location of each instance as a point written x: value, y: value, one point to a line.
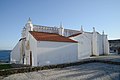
x: 30, y: 58
x: 119, y: 50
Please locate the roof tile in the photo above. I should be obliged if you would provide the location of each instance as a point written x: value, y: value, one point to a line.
x: 43, y: 36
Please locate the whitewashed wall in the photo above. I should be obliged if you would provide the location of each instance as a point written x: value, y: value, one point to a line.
x: 84, y: 45
x: 56, y: 52
x: 100, y: 44
x: 33, y: 48
x: 15, y: 53
x: 103, y: 45
x: 106, y: 45
x: 95, y: 44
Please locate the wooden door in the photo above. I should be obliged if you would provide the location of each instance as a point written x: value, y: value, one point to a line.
x: 30, y: 58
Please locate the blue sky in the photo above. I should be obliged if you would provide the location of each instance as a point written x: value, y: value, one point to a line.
x: 101, y: 14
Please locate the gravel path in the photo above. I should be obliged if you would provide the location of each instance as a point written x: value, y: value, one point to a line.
x: 90, y: 71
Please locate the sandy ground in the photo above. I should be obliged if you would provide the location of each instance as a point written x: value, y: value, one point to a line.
x: 90, y: 71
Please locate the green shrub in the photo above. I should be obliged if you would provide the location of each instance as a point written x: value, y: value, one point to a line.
x: 5, y: 66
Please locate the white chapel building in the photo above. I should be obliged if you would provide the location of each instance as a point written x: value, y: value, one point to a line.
x: 43, y: 45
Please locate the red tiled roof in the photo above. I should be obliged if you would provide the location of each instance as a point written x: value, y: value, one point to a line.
x: 75, y: 35
x: 42, y: 36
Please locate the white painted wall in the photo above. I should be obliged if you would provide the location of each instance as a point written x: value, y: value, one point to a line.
x: 103, y: 44
x: 15, y: 54
x: 100, y: 45
x: 95, y: 43
x: 56, y: 52
x: 106, y: 44
x: 84, y: 45
x: 33, y: 48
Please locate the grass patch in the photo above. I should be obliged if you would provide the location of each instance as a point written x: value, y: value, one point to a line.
x: 5, y: 66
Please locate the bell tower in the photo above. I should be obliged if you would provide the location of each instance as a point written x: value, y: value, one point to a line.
x: 81, y: 30
x: 29, y: 25
x: 61, y: 30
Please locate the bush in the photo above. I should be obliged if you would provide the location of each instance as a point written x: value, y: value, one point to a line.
x: 5, y: 66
